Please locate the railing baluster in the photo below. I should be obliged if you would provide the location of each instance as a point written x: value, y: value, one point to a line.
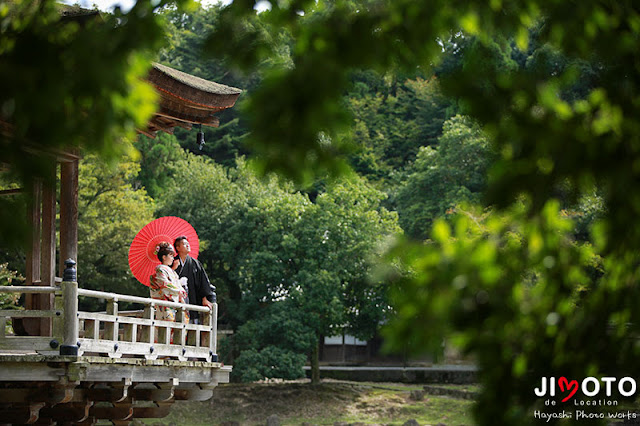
x: 92, y: 329
x: 148, y: 331
x: 163, y: 334
x: 130, y: 331
x: 111, y: 328
x: 193, y: 337
x: 197, y: 336
x: 179, y: 334
x: 213, y: 321
x: 167, y: 332
x: 205, y: 334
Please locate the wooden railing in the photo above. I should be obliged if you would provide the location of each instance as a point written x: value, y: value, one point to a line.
x: 110, y: 333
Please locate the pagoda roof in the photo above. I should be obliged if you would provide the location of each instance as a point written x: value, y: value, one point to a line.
x: 196, y: 82
x: 186, y: 100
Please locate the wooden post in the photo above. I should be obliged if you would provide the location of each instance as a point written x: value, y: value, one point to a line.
x: 33, y: 254
x: 31, y: 326
x: 68, y: 212
x: 70, y: 300
x: 48, y: 270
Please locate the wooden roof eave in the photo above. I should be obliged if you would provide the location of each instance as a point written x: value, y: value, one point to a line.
x: 192, y: 89
x: 207, y: 119
x: 186, y: 100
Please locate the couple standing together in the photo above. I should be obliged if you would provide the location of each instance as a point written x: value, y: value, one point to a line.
x: 180, y: 278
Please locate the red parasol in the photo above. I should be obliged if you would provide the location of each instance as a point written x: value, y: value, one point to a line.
x: 142, y: 253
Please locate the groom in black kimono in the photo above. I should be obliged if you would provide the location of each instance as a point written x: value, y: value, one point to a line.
x: 200, y: 291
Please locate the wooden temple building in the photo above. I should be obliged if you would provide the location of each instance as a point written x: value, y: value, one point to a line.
x: 60, y: 365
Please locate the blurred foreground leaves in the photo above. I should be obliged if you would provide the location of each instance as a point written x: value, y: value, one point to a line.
x: 70, y: 80
x: 513, y: 287
x: 543, y: 136
x: 521, y: 296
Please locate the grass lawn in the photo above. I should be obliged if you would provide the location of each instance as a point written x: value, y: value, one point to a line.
x: 325, y: 404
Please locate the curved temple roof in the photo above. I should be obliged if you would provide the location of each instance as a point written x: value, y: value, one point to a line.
x: 186, y: 100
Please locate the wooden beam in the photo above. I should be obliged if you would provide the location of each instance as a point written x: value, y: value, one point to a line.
x: 51, y: 395
x: 150, y: 134
x: 26, y: 343
x: 39, y: 368
x: 72, y: 412
x: 58, y: 395
x: 195, y: 394
x: 68, y: 213
x: 37, y: 371
x: 122, y: 411
x: 152, y: 412
x: 167, y: 122
x: 156, y: 395
x: 55, y: 154
x: 11, y: 191
x: 107, y: 394
x: 207, y: 120
x: 22, y: 414
x: 90, y: 421
x: 214, y: 122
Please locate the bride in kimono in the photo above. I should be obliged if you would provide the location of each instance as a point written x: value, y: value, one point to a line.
x: 166, y: 285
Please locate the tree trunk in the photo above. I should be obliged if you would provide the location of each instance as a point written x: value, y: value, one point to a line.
x: 315, y: 364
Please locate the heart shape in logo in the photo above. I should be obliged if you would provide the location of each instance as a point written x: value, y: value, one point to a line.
x: 567, y: 385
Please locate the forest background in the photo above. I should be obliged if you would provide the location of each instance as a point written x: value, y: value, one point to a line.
x: 290, y: 266
x: 534, y: 278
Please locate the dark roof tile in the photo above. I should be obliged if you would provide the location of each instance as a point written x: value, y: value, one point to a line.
x: 197, y: 82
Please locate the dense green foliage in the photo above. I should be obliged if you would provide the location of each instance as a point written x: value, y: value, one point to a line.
x: 288, y: 271
x: 494, y: 284
x: 156, y: 157
x: 9, y: 277
x: 441, y: 178
x: 391, y: 120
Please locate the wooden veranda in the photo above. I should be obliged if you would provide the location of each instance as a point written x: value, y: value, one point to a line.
x: 61, y: 365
